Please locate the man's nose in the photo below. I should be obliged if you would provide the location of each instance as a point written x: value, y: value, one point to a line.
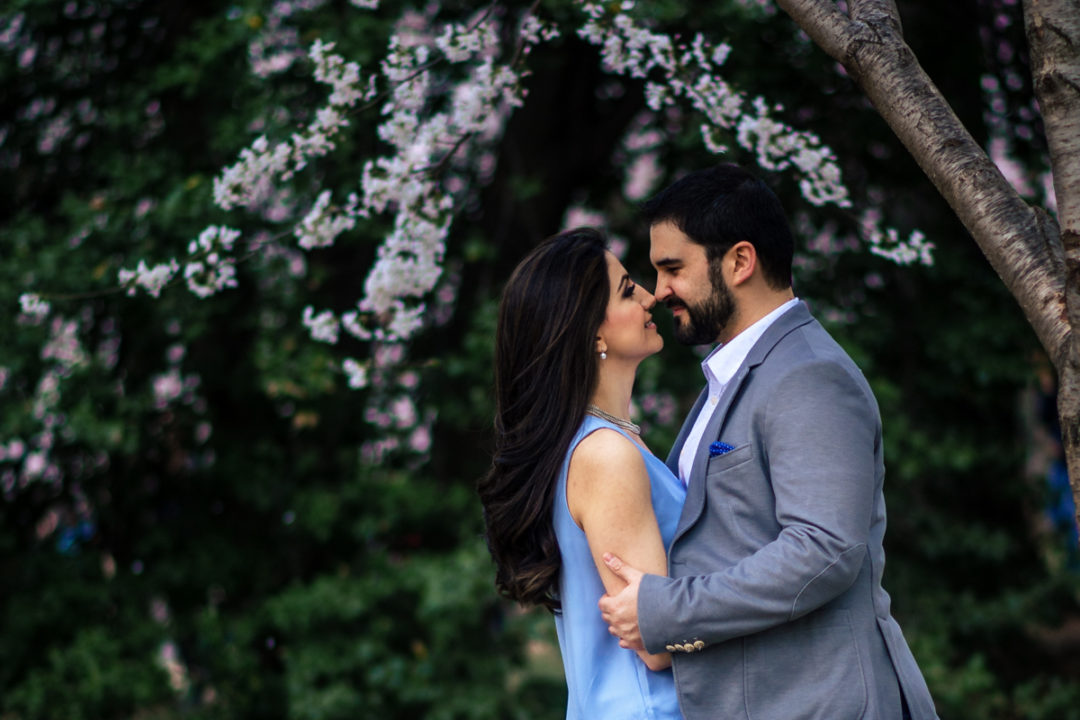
x: 663, y: 290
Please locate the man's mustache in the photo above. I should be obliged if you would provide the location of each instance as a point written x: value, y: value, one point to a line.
x: 673, y: 303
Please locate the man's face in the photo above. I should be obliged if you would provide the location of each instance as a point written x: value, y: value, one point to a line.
x: 700, y: 301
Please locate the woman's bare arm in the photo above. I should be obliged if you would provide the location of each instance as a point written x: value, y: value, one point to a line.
x: 608, y: 494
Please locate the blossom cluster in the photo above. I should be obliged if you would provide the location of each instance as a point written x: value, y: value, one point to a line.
x: 402, y: 426
x: 277, y: 47
x: 26, y: 461
x: 639, y: 156
x: 244, y: 183
x: 209, y: 267
x: 323, y: 222
x: 888, y: 244
x: 173, y: 386
x: 428, y: 141
x: 409, y: 261
x: 34, y: 309
x: 431, y: 145
x: 673, y: 70
x: 151, y: 279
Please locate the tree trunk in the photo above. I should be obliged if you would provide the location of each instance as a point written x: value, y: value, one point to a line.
x: 1039, y: 264
x: 1053, y: 33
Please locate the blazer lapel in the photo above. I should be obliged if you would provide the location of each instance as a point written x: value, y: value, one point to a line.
x: 695, y: 490
x: 695, y: 496
x: 676, y: 449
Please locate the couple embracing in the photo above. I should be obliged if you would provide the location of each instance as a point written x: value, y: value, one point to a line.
x: 741, y: 578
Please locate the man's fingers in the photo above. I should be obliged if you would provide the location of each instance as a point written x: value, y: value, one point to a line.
x: 617, y: 566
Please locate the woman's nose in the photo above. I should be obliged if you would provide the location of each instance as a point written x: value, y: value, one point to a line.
x: 647, y: 299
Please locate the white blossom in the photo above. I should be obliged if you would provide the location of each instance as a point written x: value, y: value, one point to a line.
x: 581, y: 216
x: 887, y: 243
x: 63, y: 345
x: 323, y: 327
x: 167, y: 387
x: 356, y: 372
x: 533, y: 30
x: 403, y: 410
x: 14, y: 450
x: 351, y: 322
x: 322, y: 225
x: 206, y: 277
x: 34, y: 309
x: 642, y: 175
x: 152, y: 280
x: 406, y: 321
x: 34, y: 465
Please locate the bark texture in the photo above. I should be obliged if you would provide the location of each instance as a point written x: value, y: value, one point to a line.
x: 1038, y: 261
x: 1053, y: 34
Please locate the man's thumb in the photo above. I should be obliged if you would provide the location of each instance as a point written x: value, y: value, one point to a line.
x: 620, y: 568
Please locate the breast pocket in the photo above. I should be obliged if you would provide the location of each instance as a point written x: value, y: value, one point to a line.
x: 740, y: 498
x: 722, y: 463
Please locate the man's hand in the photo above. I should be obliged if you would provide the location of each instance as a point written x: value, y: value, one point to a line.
x: 620, y: 611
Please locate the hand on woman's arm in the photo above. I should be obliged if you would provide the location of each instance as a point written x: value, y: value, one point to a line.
x: 608, y: 494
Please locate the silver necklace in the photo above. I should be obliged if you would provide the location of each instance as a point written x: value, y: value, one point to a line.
x: 624, y: 424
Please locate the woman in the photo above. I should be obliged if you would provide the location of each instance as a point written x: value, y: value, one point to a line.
x: 571, y: 479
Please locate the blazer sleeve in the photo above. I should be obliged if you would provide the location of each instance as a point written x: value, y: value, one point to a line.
x: 820, y: 429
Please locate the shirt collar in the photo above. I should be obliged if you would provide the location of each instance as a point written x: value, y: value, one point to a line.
x: 722, y: 363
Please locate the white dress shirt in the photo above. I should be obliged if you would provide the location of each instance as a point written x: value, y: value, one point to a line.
x: 719, y: 367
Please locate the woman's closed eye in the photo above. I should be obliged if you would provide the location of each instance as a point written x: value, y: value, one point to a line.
x: 628, y: 292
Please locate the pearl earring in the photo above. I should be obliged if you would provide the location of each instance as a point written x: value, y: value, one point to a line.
x: 603, y: 355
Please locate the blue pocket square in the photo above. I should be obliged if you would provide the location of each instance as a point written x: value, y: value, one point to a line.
x: 719, y: 448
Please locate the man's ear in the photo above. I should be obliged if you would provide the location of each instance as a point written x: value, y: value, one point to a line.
x: 743, y: 262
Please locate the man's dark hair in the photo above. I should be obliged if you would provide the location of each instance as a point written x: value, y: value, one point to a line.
x: 720, y: 206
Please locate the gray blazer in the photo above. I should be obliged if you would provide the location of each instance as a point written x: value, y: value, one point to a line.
x: 774, y: 609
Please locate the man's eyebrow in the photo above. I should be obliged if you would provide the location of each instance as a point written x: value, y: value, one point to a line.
x: 667, y: 262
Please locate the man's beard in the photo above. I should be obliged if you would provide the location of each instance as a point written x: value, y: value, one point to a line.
x: 703, y: 323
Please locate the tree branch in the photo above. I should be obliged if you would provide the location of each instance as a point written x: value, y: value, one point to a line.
x: 875, y: 12
x: 826, y: 25
x: 1018, y: 241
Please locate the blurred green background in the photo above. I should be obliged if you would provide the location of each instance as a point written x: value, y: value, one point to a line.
x: 200, y: 519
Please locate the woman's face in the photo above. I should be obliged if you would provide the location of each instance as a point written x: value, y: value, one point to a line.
x: 628, y: 332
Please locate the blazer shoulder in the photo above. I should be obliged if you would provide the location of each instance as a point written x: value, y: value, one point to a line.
x: 808, y: 345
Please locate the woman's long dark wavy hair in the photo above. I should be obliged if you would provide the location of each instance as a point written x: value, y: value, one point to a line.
x: 545, y: 373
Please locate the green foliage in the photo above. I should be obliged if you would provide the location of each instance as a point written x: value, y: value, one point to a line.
x: 95, y: 676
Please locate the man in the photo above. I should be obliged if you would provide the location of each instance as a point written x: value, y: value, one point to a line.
x: 774, y: 607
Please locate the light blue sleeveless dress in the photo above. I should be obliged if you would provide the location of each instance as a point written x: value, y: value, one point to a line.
x: 603, y: 679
